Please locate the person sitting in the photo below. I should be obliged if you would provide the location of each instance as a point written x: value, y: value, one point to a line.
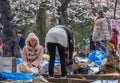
x: 32, y: 55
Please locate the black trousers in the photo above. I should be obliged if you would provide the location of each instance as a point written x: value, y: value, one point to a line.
x: 52, y: 50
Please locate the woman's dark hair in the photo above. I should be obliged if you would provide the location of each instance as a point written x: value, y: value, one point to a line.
x: 19, y: 31
x: 101, y: 14
x: 115, y: 31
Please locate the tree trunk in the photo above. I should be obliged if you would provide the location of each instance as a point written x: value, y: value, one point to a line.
x: 63, y: 9
x: 93, y: 7
x: 10, y: 48
x: 41, y: 22
x: 115, y: 9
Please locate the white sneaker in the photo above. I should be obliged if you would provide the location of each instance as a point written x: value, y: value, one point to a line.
x: 63, y: 77
x: 50, y: 77
x: 43, y: 79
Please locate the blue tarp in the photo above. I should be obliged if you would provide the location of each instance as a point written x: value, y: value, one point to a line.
x: 18, y: 60
x: 17, y: 76
x: 97, y: 57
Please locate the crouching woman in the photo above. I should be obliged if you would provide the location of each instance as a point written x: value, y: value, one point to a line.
x: 32, y: 55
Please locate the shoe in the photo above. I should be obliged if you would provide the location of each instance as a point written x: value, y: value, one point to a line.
x: 63, y: 77
x: 40, y: 78
x: 43, y: 79
x: 51, y: 77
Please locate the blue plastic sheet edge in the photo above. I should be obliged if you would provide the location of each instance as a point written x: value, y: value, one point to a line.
x: 17, y: 76
x: 97, y: 57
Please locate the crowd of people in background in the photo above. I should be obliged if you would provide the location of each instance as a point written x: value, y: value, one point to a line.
x: 61, y: 37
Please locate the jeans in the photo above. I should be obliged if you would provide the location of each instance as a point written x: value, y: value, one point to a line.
x: 101, y: 46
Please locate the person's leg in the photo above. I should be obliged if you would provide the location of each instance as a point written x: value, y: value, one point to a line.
x: 104, y: 46
x: 101, y: 46
x: 71, y: 48
x: 97, y: 47
x: 61, y: 51
x: 51, y: 49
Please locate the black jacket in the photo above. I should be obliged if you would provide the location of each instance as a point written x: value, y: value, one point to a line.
x: 21, y: 42
x: 70, y: 40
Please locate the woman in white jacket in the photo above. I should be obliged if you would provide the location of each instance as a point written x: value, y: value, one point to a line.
x: 61, y: 37
x: 101, y: 32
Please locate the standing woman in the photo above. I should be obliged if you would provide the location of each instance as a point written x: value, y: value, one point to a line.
x: 61, y: 37
x: 101, y: 32
x: 32, y: 54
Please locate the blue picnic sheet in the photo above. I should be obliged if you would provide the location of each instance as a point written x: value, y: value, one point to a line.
x: 97, y: 57
x: 16, y: 76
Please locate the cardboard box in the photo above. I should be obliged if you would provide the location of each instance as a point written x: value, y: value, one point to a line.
x: 7, y: 64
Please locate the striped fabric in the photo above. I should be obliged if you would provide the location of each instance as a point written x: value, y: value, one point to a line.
x: 101, y: 30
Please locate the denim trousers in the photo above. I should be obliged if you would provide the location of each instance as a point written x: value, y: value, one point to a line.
x: 101, y: 46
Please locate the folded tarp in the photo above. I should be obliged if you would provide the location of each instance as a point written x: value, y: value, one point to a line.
x: 97, y: 57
